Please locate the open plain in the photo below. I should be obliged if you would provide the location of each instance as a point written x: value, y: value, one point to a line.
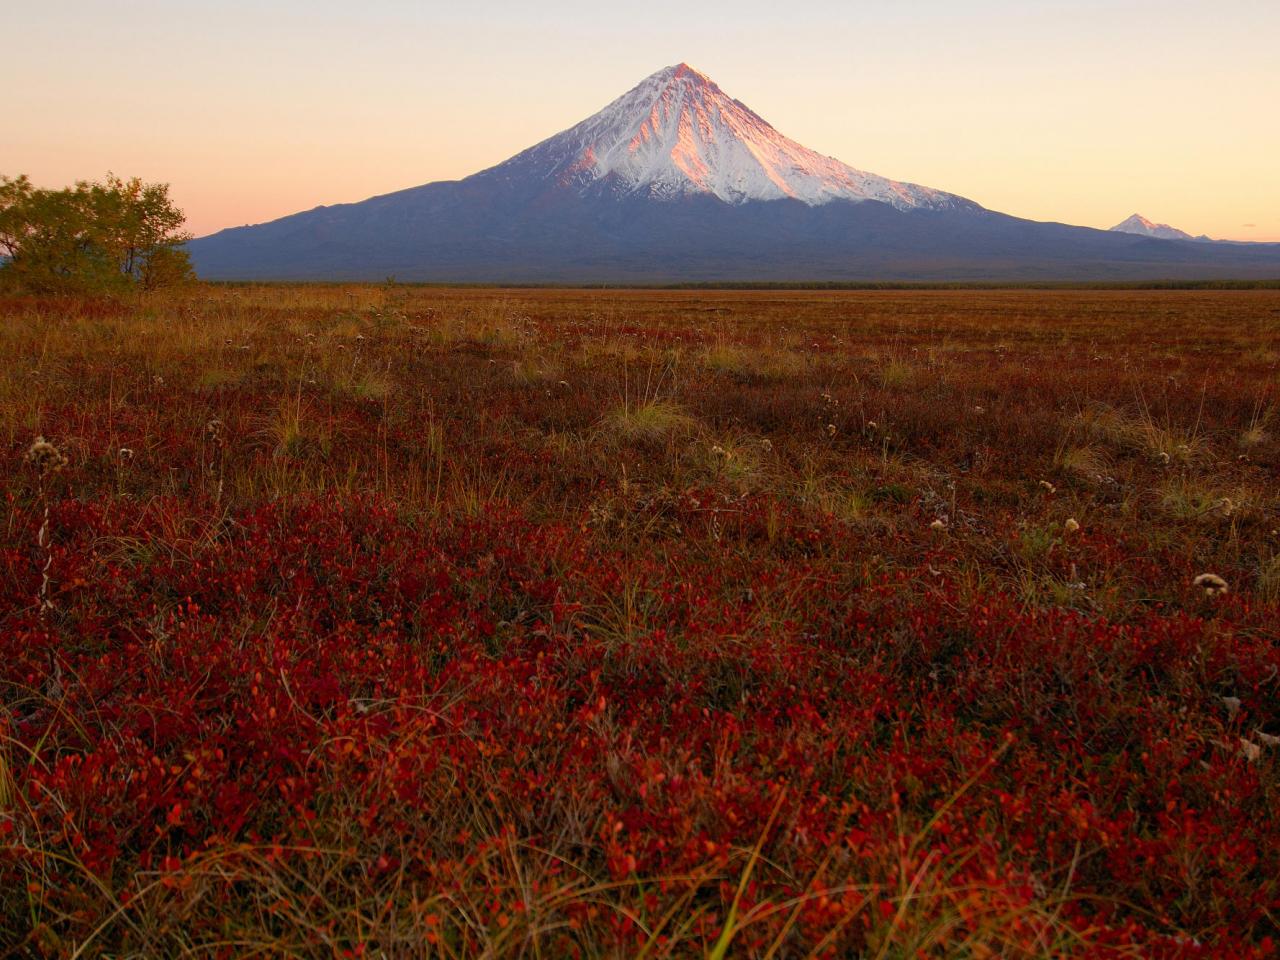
x: 408, y: 621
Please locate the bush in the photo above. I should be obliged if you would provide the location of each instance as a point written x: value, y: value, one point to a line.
x: 90, y: 238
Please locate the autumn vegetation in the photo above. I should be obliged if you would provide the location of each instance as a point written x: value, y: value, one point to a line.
x: 384, y: 621
x: 106, y: 237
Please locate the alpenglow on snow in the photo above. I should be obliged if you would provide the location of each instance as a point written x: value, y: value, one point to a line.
x: 678, y: 133
x: 677, y: 181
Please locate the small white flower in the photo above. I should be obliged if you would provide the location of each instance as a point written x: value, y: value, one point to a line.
x: 1048, y: 487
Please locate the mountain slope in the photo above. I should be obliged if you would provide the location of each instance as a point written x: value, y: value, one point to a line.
x: 1141, y: 226
x: 676, y: 181
x: 678, y: 134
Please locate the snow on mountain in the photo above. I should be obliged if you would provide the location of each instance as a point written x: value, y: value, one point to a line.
x: 676, y: 181
x: 1141, y: 226
x: 677, y: 133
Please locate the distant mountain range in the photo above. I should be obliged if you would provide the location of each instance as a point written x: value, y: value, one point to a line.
x: 676, y: 181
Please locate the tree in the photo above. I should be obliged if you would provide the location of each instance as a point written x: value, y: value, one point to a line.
x: 93, y: 237
x: 15, y: 197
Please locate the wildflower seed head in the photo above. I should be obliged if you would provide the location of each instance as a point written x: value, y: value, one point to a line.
x: 939, y: 524
x: 45, y: 457
x: 125, y: 454
x: 1212, y: 584
x: 1072, y: 525
x: 216, y: 432
x: 831, y: 429
x: 766, y: 445
x: 1048, y: 487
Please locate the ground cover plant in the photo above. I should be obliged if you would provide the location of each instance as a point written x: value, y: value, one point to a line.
x: 391, y: 621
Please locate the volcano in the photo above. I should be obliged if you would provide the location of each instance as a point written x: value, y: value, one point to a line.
x: 676, y: 181
x: 1140, y: 225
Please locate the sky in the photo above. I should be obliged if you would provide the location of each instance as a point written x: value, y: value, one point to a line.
x: 1082, y: 112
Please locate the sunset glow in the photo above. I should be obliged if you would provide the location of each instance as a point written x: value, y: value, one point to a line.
x: 677, y: 480
x: 1081, y: 113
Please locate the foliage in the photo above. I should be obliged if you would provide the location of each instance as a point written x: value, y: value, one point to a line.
x: 480, y: 662
x: 93, y: 237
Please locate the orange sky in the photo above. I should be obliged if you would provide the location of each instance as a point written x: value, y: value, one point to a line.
x: 1083, y: 112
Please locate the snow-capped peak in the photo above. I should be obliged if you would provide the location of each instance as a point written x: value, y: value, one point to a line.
x: 677, y: 133
x: 1140, y: 225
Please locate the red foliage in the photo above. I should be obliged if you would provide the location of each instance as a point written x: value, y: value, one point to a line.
x: 348, y: 726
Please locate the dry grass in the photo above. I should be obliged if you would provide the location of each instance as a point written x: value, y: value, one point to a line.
x: 651, y: 623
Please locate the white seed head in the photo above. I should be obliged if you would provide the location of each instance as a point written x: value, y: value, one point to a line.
x: 216, y: 432
x: 45, y: 457
x: 1212, y: 584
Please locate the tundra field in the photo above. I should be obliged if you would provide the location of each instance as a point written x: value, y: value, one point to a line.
x: 396, y: 622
